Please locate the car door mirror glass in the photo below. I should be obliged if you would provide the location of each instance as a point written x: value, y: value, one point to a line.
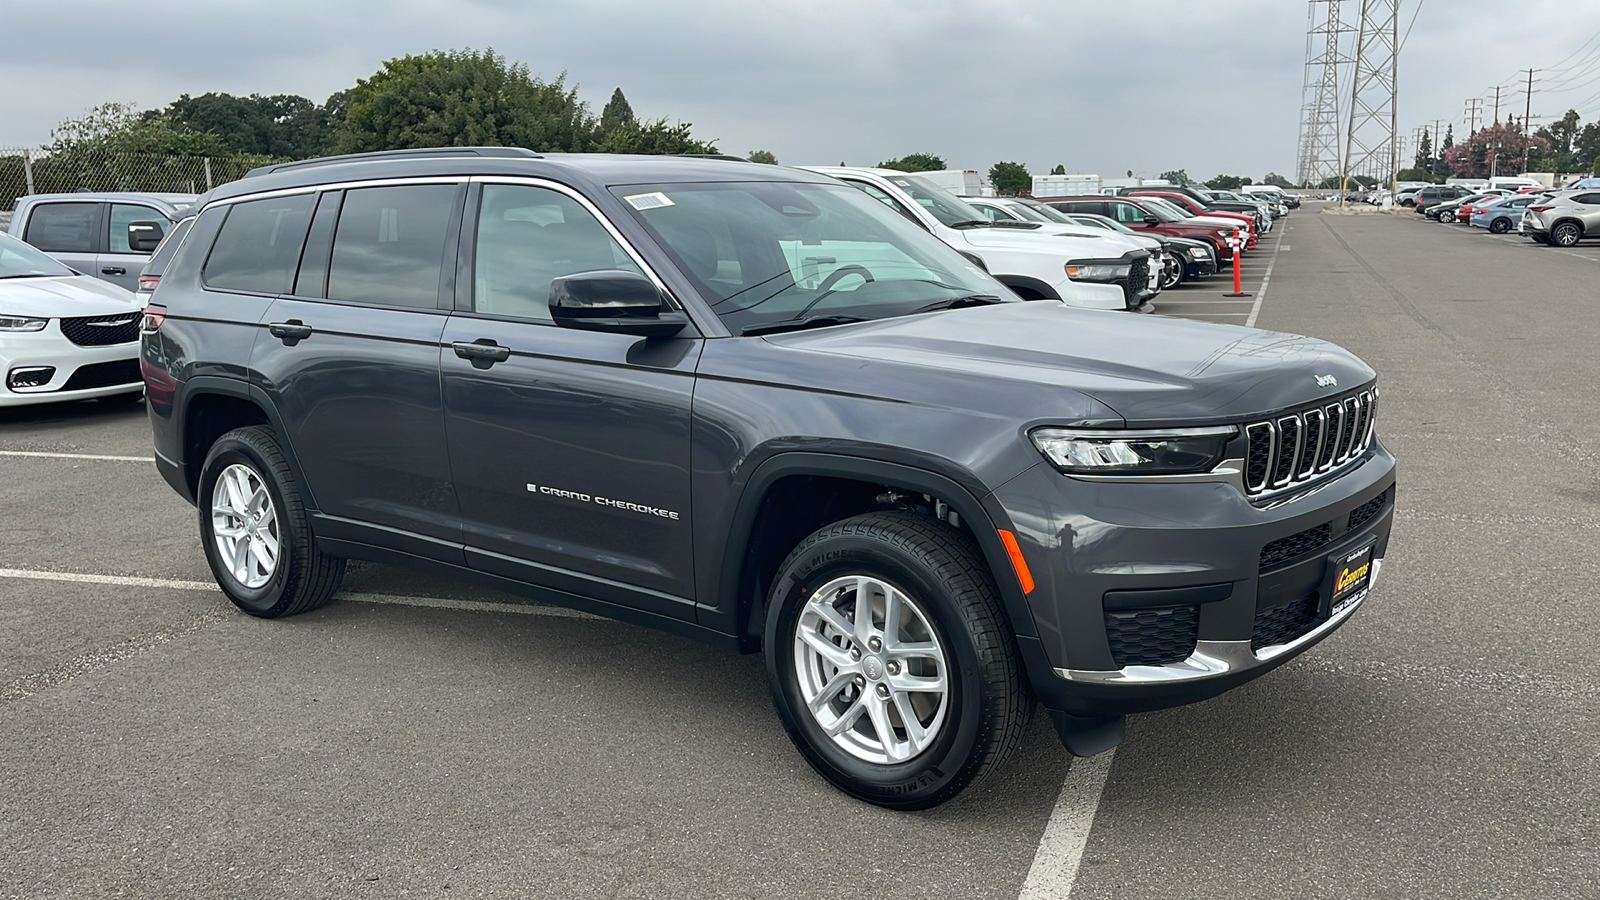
x: 144, y: 237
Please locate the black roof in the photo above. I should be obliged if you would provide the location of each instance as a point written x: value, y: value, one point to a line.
x: 597, y: 170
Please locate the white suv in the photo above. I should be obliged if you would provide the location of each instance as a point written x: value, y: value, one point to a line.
x: 1089, y: 271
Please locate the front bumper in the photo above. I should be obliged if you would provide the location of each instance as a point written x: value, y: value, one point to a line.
x: 1207, y: 558
x: 80, y: 373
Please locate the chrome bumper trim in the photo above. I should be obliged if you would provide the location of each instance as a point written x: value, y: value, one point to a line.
x: 1212, y: 659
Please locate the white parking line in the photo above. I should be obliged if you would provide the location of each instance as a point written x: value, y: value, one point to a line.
x: 1261, y: 293
x: 1060, y: 853
x: 43, y: 455
x: 559, y: 612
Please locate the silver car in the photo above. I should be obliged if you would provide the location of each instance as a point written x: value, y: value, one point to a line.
x: 1564, y: 219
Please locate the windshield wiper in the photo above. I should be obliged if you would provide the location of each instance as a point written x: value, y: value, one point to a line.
x: 959, y: 302
x: 28, y: 275
x: 969, y: 223
x: 800, y: 324
x: 1012, y: 223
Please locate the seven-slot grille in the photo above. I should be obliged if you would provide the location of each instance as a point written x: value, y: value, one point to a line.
x: 1308, y: 443
x: 101, y: 331
x: 1138, y: 279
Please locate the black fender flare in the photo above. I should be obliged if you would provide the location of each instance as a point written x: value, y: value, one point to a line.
x: 962, y: 491
x: 204, y: 385
x: 1032, y: 284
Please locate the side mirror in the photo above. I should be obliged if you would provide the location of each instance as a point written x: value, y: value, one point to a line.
x: 144, y: 237
x: 615, y: 301
x: 1151, y: 220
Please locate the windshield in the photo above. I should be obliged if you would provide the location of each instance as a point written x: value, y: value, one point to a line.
x: 19, y: 260
x: 1173, y: 212
x: 1043, y: 213
x: 1104, y: 222
x: 1031, y: 214
x: 940, y: 203
x: 767, y: 252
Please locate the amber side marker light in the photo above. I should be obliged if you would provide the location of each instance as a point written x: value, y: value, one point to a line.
x: 1017, y: 562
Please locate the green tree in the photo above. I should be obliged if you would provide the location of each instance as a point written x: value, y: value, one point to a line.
x: 616, y: 113
x: 121, y: 128
x: 1059, y: 170
x: 464, y: 98
x: 1010, y: 179
x: 762, y: 156
x: 915, y: 162
x: 282, y: 125
x: 1227, y: 182
x: 655, y: 137
x: 1177, y: 176
x: 1276, y: 180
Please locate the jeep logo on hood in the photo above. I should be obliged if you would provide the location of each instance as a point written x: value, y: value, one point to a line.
x: 1327, y: 381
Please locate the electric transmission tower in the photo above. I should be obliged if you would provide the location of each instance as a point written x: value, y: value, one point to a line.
x: 1319, y: 113
x: 1369, y: 139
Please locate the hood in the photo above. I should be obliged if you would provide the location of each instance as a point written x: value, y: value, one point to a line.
x: 1220, y: 221
x: 64, y: 295
x: 1150, y: 370
x: 1078, y: 246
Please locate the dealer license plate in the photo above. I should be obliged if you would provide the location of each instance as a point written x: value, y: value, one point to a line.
x: 1352, y: 575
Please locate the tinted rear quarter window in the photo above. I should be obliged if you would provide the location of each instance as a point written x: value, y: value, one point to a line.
x: 63, y: 227
x: 389, y: 246
x: 258, y: 247
x: 169, y: 246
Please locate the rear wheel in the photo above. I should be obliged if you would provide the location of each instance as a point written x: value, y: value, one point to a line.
x: 890, y: 662
x: 1566, y: 234
x: 255, y: 530
x: 1500, y: 226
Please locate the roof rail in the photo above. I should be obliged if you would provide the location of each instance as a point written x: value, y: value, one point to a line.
x: 712, y: 156
x: 416, y: 153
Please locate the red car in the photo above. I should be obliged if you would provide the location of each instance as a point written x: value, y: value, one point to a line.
x: 1184, y: 201
x: 1146, y: 217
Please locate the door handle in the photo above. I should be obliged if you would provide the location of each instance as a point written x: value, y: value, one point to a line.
x: 291, y: 332
x: 483, y: 352
x: 113, y: 270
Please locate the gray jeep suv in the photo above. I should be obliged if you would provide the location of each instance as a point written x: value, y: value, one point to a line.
x: 750, y: 404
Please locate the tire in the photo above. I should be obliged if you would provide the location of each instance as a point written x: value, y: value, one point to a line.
x: 1566, y: 234
x: 1175, y: 279
x: 1500, y: 226
x: 298, y: 577
x: 948, y: 602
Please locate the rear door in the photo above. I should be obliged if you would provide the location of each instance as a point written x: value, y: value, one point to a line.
x: 350, y: 357
x: 69, y: 231
x: 570, y: 452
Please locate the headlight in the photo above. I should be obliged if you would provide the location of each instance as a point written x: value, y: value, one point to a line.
x: 1199, y: 253
x: 1097, y: 270
x: 1171, y: 451
x: 22, y: 323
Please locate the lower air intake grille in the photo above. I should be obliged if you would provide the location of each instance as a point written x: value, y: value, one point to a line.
x: 1152, y: 637
x: 1138, y: 280
x: 1367, y: 511
x: 1284, y: 549
x: 106, y: 374
x: 1284, y: 624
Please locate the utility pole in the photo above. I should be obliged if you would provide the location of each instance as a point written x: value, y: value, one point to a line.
x: 1527, y: 125
x: 1494, y: 154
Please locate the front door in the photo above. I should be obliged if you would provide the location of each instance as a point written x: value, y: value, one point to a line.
x: 120, y: 264
x: 570, y: 452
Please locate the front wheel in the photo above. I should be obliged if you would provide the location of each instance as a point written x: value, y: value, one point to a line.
x: 256, y: 533
x: 1172, y: 274
x: 890, y: 661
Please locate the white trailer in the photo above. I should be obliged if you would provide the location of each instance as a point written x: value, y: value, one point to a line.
x: 961, y: 182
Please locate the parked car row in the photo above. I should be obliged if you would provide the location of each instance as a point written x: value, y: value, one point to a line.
x: 1560, y: 218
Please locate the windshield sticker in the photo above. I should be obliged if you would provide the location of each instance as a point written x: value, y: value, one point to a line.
x: 653, y: 200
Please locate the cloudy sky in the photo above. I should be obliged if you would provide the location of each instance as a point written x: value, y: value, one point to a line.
x: 1095, y: 85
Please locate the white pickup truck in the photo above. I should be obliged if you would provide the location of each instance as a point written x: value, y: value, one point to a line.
x: 1088, y: 271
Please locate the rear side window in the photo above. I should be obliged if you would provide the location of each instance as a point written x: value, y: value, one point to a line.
x: 63, y: 227
x: 168, y: 247
x: 259, y: 245
x: 389, y: 246
x: 1587, y: 199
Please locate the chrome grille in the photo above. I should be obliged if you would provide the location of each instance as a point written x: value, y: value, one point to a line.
x: 102, y: 331
x: 1297, y: 448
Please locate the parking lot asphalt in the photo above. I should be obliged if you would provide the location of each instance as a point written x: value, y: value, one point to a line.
x: 424, y: 738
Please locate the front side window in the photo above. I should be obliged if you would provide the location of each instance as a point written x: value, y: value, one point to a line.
x: 768, y: 252
x: 63, y: 227
x: 994, y: 213
x: 122, y: 215
x: 388, y: 248
x: 259, y: 244
x: 1127, y: 212
x: 527, y: 238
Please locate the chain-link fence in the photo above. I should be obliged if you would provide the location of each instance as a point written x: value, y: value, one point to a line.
x: 26, y: 171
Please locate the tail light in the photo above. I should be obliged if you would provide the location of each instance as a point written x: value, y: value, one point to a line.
x: 1539, y: 208
x: 147, y: 283
x: 153, y: 317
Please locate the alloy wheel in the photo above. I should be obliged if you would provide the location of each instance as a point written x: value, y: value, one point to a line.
x: 871, y: 669
x: 1566, y: 234
x: 244, y: 526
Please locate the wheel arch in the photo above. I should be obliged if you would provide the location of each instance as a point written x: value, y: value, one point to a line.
x: 213, y: 407
x: 1569, y: 220
x: 793, y: 494
x: 1032, y: 285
